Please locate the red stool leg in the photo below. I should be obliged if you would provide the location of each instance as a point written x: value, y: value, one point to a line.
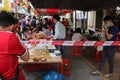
x: 65, y: 67
x: 75, y: 51
x: 96, y: 56
x: 80, y: 51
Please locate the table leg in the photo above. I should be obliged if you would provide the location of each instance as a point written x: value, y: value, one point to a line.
x: 58, y: 71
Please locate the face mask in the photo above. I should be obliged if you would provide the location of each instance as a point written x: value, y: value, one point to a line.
x: 107, y: 25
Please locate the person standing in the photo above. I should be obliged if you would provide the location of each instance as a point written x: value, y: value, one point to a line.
x: 23, y: 23
x: 60, y: 32
x: 10, y: 49
x: 111, y: 32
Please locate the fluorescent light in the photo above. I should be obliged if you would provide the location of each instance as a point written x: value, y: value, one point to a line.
x: 118, y: 8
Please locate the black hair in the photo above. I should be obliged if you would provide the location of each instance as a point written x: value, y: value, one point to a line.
x: 91, y: 32
x: 45, y: 26
x: 57, y: 17
x: 25, y: 29
x: 63, y: 18
x: 15, y: 20
x: 78, y: 30
x: 6, y: 19
x: 34, y: 17
x: 46, y: 19
x: 108, y: 18
x: 49, y: 23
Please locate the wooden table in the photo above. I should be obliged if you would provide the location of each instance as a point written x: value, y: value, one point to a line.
x: 52, y: 60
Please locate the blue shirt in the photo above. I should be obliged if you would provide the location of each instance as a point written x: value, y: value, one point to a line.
x: 114, y: 31
x: 47, y: 32
x: 23, y: 23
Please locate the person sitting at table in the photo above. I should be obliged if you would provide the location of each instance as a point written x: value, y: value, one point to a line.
x: 46, y: 30
x: 10, y: 49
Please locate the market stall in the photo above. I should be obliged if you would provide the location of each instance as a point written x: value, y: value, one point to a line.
x: 40, y: 55
x: 43, y: 54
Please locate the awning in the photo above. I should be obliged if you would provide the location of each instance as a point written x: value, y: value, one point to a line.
x: 21, y: 1
x: 53, y: 11
x: 75, y: 4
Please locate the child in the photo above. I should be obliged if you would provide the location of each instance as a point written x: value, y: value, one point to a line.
x: 10, y: 49
x: 77, y: 37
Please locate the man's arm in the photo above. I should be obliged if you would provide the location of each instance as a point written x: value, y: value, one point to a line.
x: 107, y: 35
x: 17, y: 48
x: 56, y: 32
x: 25, y: 56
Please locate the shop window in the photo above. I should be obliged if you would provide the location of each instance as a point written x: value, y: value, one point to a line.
x: 1, y: 2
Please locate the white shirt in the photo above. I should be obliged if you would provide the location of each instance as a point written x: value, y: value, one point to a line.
x: 60, y: 31
x: 76, y: 37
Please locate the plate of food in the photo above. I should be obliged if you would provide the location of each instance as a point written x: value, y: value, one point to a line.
x: 36, y: 59
x: 43, y: 59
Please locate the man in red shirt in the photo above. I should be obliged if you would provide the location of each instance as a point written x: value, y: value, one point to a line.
x: 10, y: 49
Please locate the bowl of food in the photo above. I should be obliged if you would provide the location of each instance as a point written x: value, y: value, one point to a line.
x: 36, y: 59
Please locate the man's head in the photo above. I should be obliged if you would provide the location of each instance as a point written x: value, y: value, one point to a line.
x: 108, y: 20
x: 44, y: 27
x: 6, y: 19
x: 56, y: 18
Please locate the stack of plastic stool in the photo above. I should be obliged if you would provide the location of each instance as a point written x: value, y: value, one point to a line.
x: 65, y: 66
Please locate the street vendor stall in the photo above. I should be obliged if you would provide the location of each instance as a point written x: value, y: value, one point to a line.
x: 43, y: 54
x: 40, y: 55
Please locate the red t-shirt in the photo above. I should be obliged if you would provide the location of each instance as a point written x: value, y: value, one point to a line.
x: 10, y: 48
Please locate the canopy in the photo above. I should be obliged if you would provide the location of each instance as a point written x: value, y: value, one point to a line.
x: 53, y: 11
x: 75, y: 4
x: 21, y: 1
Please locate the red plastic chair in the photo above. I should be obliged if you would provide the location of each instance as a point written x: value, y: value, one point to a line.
x: 118, y: 47
x: 77, y: 51
x: 97, y: 55
x: 65, y: 67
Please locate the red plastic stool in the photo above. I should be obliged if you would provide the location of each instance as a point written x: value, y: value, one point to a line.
x: 118, y: 39
x: 65, y: 66
x: 77, y: 51
x: 97, y: 55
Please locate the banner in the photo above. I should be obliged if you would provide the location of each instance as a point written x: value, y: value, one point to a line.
x: 72, y: 43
